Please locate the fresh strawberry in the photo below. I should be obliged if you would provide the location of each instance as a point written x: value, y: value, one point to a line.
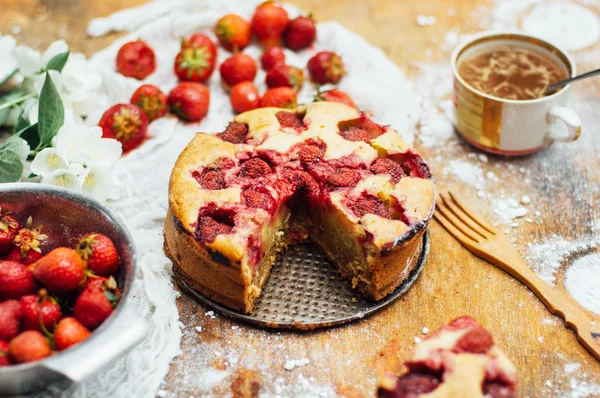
x: 244, y: 97
x: 189, y: 101
x: 136, y: 59
x: 285, y: 76
x: 238, y: 68
x: 300, y: 33
x: 29, y: 346
x: 5, y: 357
x: 100, y: 254
x: 107, y: 284
x: 326, y: 67
x: 69, y: 332
x: 335, y: 95
x: 477, y: 340
x: 8, y: 230
x: 151, y: 100
x: 95, y: 304
x: 254, y: 168
x: 11, y: 315
x: 233, y: 32
x: 369, y: 204
x: 127, y: 123
x: 60, y: 271
x: 235, y: 133
x: 279, y: 97
x: 387, y: 166
x: 26, y: 243
x: 268, y: 23
x: 343, y: 178
x: 40, y: 309
x: 272, y: 57
x: 197, y: 59
x: 15, y: 280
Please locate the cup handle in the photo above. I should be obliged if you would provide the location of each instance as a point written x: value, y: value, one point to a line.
x: 569, y: 118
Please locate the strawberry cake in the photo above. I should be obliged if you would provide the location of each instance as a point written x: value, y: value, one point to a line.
x: 458, y: 360
x: 324, y: 172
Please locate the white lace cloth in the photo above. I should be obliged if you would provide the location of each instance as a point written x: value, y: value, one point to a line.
x: 374, y: 82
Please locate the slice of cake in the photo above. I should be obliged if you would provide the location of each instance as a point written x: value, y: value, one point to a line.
x: 325, y: 172
x: 459, y: 360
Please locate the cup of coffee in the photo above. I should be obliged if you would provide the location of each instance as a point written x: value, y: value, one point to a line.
x: 499, y: 95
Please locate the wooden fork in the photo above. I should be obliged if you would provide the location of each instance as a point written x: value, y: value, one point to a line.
x: 493, y: 246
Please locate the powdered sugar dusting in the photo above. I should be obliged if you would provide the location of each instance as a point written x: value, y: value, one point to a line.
x: 582, y: 280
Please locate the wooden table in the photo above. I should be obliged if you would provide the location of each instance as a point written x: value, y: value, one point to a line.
x: 561, y: 181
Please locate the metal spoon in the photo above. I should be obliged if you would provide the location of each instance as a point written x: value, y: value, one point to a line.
x: 553, y: 87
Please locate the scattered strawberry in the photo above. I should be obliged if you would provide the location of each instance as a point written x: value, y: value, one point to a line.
x: 136, y: 59
x: 127, y: 123
x: 311, y: 151
x: 60, y: 271
x: 238, y: 68
x: 210, y: 179
x: 69, y: 332
x: 208, y: 229
x: 189, y: 101
x: 387, y: 166
x: 40, y: 309
x: 5, y: 358
x: 369, y: 204
x: 326, y: 67
x: 11, y: 315
x: 343, y: 178
x: 254, y: 168
x: 197, y: 59
x: 100, y: 254
x: 268, y: 23
x: 289, y: 119
x: 233, y: 32
x: 235, y: 133
x: 279, y: 97
x: 15, y: 280
x: 272, y: 57
x: 244, y: 97
x: 8, y: 229
x: 300, y: 33
x: 258, y: 198
x: 29, y: 346
x: 285, y: 76
x: 95, y: 304
x: 477, y: 340
x: 151, y: 100
x: 335, y: 95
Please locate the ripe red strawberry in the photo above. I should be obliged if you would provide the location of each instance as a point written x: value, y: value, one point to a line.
x: 127, y: 123
x: 417, y: 166
x: 136, y: 59
x: 69, y: 332
x: 369, y: 204
x: 244, y: 97
x: 94, y: 305
x: 100, y: 254
x: 8, y: 229
x: 477, y: 340
x: 272, y: 57
x: 151, y: 100
x: 197, y: 59
x: 258, y: 198
x: 343, y: 178
x: 208, y: 229
x: 5, y: 358
x: 268, y: 23
x: 301, y: 182
x: 311, y: 151
x: 326, y: 67
x: 238, y: 68
x: 107, y: 284
x: 15, y: 280
x: 335, y: 95
x: 29, y: 346
x: 235, y: 133
x: 285, y: 76
x: 60, y: 271
x: 254, y: 168
x: 189, y: 101
x: 233, y: 32
x: 38, y: 309
x: 11, y: 315
x: 387, y: 166
x: 300, y: 33
x: 26, y: 244
x: 356, y: 134
x: 210, y: 179
x: 279, y: 97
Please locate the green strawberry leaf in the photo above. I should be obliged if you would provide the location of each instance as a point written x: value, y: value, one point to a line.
x: 59, y: 61
x: 11, y: 167
x: 51, y: 113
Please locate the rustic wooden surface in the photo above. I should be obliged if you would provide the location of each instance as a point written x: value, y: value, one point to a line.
x: 562, y: 182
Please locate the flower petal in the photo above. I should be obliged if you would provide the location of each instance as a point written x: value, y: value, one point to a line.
x: 63, y: 178
x: 55, y: 48
x: 48, y: 161
x: 28, y: 60
x: 96, y: 181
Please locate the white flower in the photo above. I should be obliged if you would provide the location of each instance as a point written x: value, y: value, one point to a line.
x: 25, y: 149
x: 96, y: 181
x: 48, y: 161
x: 9, y: 62
x: 31, y: 62
x: 63, y: 178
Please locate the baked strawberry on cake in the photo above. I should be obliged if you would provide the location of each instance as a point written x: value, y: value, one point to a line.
x: 459, y: 360
x: 275, y: 176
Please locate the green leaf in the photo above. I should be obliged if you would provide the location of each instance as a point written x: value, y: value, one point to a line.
x: 51, y: 113
x: 31, y: 135
x: 8, y: 77
x: 11, y: 167
x: 59, y: 61
x: 21, y: 123
x: 6, y: 97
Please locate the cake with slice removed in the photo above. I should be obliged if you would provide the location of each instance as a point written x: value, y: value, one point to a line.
x: 274, y: 177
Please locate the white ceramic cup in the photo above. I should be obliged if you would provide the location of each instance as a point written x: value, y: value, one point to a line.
x: 513, y: 127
